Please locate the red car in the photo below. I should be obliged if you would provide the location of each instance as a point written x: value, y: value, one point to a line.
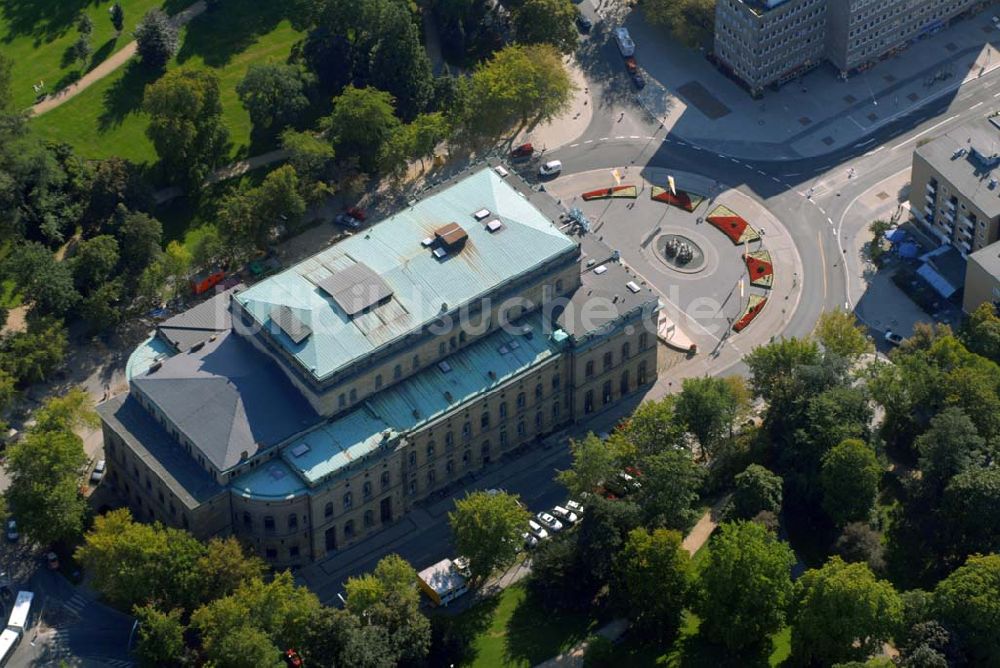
x: 293, y: 659
x: 523, y: 151
x: 355, y: 212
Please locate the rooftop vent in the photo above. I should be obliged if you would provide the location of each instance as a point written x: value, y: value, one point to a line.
x: 482, y: 213
x: 356, y: 288
x: 494, y: 226
x: 276, y: 473
x: 448, y: 397
x: 451, y: 235
x: 288, y: 321
x: 440, y: 253
x: 155, y: 367
x: 514, y: 345
x: 300, y: 449
x: 600, y: 270
x: 428, y: 242
x: 198, y: 346
x: 632, y: 286
x: 444, y: 366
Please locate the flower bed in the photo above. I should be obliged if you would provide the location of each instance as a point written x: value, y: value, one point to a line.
x: 732, y: 225
x: 682, y: 200
x: 753, y: 308
x: 615, y: 191
x: 760, y: 268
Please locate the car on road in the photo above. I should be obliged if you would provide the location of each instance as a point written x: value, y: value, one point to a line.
x: 630, y: 65
x: 530, y: 541
x: 12, y: 534
x: 583, y: 23
x: 892, y: 338
x: 347, y: 220
x: 625, y: 44
x: 523, y: 151
x: 576, y: 507
x: 52, y: 559
x: 566, y: 515
x: 97, y: 475
x: 537, y: 530
x: 499, y: 169
x: 639, y: 81
x: 356, y: 213
x: 549, y: 522
x: 550, y: 168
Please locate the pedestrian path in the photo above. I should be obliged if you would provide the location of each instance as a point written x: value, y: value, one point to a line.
x: 76, y: 604
x: 107, y: 66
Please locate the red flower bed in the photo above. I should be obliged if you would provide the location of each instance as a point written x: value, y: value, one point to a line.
x: 732, y: 225
x: 682, y: 200
x: 760, y: 268
x: 754, y: 307
x: 614, y: 191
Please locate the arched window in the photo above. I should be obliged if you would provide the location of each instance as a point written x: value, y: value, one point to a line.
x: 378, y: 381
x: 538, y: 391
x: 328, y: 509
x: 623, y: 389
x: 462, y: 336
x: 348, y: 500
x: 430, y: 450
x: 442, y: 349
x: 643, y: 340
x: 606, y: 393
x: 521, y: 429
x: 503, y: 409
x: 521, y: 401
x: 485, y: 450
x: 559, y: 286
x: 268, y: 524
x: 349, y: 529
x: 416, y: 362
x: 589, y: 369
x: 642, y: 373
x: 538, y: 421
x: 431, y: 477
x: 385, y: 479
x: 366, y: 489
x: 293, y: 521
x: 450, y: 466
x: 466, y: 458
x: 555, y: 411
x: 626, y: 350
x: 449, y: 440
x: 588, y: 402
x: 369, y: 519
x: 608, y: 361
x: 467, y: 431
x: 413, y: 458
x: 484, y: 420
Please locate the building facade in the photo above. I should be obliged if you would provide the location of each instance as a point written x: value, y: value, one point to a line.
x: 982, y: 278
x: 769, y: 42
x: 313, y: 409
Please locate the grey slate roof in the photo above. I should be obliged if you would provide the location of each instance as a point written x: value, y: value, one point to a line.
x: 197, y: 324
x: 227, y: 399
x: 147, y: 438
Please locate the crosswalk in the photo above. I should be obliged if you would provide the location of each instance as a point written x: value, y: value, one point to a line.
x: 58, y: 643
x: 76, y: 604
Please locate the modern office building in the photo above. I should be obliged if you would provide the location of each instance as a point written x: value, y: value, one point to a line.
x: 765, y: 42
x: 955, y: 185
x: 769, y: 42
x: 982, y: 278
x: 316, y: 407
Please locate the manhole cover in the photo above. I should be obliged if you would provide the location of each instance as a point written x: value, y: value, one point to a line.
x: 913, y: 97
x: 883, y: 195
x: 951, y: 46
x: 805, y: 120
x: 889, y: 78
x: 828, y: 140
x: 850, y: 99
x: 873, y: 116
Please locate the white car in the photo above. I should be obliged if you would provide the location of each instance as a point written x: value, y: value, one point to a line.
x: 576, y: 507
x: 529, y: 540
x: 537, y: 530
x: 549, y: 522
x: 892, y: 338
x: 550, y: 168
x: 625, y: 44
x: 98, y: 474
x: 565, y: 515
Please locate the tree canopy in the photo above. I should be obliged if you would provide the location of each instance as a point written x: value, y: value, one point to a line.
x: 487, y: 529
x: 651, y: 581
x: 850, y: 478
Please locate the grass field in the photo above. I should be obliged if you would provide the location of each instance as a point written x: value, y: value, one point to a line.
x: 107, y: 120
x: 36, y: 35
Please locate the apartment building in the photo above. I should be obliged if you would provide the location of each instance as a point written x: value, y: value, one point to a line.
x: 769, y: 42
x: 315, y: 408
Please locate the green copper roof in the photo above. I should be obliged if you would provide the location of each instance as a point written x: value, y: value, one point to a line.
x: 421, y: 285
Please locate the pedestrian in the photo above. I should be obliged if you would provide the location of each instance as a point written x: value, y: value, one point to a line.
x: 621, y: 117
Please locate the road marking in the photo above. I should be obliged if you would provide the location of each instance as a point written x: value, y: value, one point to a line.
x: 776, y: 179
x: 822, y: 260
x: 603, y: 139
x: 864, y: 143
x: 697, y: 148
x: 573, y: 145
x: 874, y: 152
x: 977, y: 104
x: 794, y: 174
x: 762, y: 172
x: 997, y: 95
x: 847, y: 305
x: 829, y: 220
x: 917, y: 136
x: 734, y: 160
x: 589, y: 141
x: 633, y: 136
x: 620, y: 137
x: 650, y: 137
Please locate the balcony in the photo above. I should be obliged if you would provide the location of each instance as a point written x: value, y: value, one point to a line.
x: 930, y: 200
x: 951, y: 205
x: 950, y: 215
x: 931, y: 188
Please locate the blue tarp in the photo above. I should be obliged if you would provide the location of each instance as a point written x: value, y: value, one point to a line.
x: 937, y: 281
x: 896, y: 235
x: 908, y: 249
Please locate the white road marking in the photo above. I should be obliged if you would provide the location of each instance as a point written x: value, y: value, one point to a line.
x: 864, y: 143
x: 734, y: 160
x: 762, y: 172
x: 589, y: 141
x: 633, y: 136
x: 776, y: 179
x: 603, y: 139
x: 620, y: 137
x: 977, y: 104
x: 573, y: 145
x: 795, y: 174
x: 997, y: 95
x: 874, y: 152
x: 829, y: 220
x: 917, y: 136
x: 697, y: 148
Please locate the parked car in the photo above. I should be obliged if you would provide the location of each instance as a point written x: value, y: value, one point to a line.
x: 576, y: 507
x: 537, y: 530
x: 583, y: 23
x: 12, y: 534
x: 98, y: 473
x: 550, y: 168
x: 529, y: 540
x: 625, y: 44
x: 501, y: 171
x: 347, y: 220
x: 293, y: 659
x: 892, y: 338
x: 630, y: 65
x: 52, y: 559
x: 566, y: 515
x: 550, y: 522
x: 523, y: 151
x: 639, y: 81
x: 356, y: 213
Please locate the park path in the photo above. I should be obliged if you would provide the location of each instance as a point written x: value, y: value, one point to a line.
x: 694, y: 541
x: 109, y: 65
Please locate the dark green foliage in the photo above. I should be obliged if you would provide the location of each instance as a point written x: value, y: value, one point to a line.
x: 156, y: 39
x: 756, y: 490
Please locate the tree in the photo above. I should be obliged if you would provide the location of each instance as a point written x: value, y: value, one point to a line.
x: 559, y: 578
x: 968, y: 601
x: 186, y: 125
x: 756, y: 490
x: 850, y: 478
x: 68, y: 412
x: 746, y: 586
x: 949, y: 446
x: 970, y: 512
x: 710, y: 407
x: 388, y: 598
x: 546, y: 21
x: 224, y: 567
x: 278, y: 198
x: 114, y: 181
x: 838, y: 332
x: 275, y: 94
x: 842, y: 613
x: 670, y: 484
x: 859, y: 542
x: 42, y: 279
x: 654, y: 427
x: 85, y: 24
x: 426, y: 132
x: 156, y: 39
x: 160, y: 640
x: 43, y: 492
x: 594, y: 462
x: 34, y: 355
x: 308, y: 154
x: 651, y: 581
x: 101, y: 308
x: 139, y: 236
x: 82, y: 49
x: 361, y: 124
x: 602, y: 533
x: 94, y: 262
x: 684, y: 18
x: 520, y: 84
x: 339, y: 638
x: 487, y: 530
x: 117, y: 15
x: 981, y: 332
x: 773, y: 368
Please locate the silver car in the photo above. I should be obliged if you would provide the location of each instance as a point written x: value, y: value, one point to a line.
x: 565, y: 514
x: 550, y: 168
x: 549, y: 522
x: 98, y: 473
x: 537, y: 530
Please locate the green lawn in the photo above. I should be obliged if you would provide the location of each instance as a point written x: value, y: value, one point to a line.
x: 512, y: 630
x: 36, y: 35
x: 106, y: 120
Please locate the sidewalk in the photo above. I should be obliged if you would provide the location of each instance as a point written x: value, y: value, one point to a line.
x: 816, y: 114
x: 562, y: 130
